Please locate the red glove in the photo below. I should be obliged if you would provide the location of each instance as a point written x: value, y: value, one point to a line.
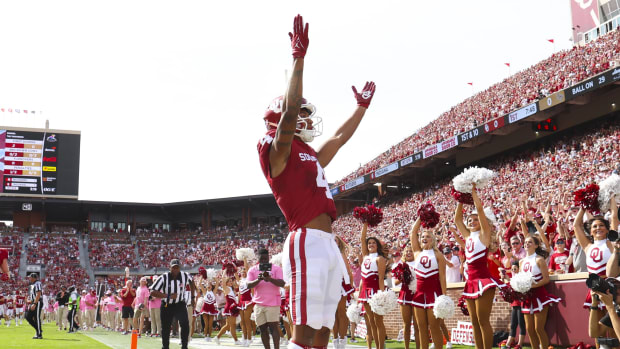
x: 364, y: 98
x: 299, y: 37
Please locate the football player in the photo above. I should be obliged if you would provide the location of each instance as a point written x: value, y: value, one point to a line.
x: 311, y: 260
x: 4, y: 265
x: 10, y: 310
x: 20, y: 302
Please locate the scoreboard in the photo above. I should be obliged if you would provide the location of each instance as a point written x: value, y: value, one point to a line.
x: 39, y: 162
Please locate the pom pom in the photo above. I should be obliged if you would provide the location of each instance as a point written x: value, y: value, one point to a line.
x: 413, y: 285
x: 522, y: 282
x: 463, y: 305
x: 211, y: 273
x: 200, y: 303
x: 229, y: 268
x: 203, y: 272
x: 490, y: 215
x: 508, y: 293
x: 588, y: 198
x: 242, y: 253
x: 479, y: 176
x: 607, y: 188
x: 369, y: 214
x: 383, y: 302
x: 443, y: 307
x: 276, y: 259
x: 463, y: 198
x: 428, y: 216
x: 402, y: 273
x: 354, y: 313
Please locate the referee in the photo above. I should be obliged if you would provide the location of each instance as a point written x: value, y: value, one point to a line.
x: 33, y: 316
x: 170, y: 286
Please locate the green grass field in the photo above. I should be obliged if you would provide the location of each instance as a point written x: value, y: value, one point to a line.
x: 21, y: 337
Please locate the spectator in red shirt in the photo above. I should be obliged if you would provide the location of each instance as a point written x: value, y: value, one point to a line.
x: 557, y: 261
x: 128, y: 294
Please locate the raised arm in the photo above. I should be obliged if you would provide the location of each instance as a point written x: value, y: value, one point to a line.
x: 583, y: 240
x: 281, y: 147
x: 613, y: 206
x: 413, y: 236
x: 329, y: 149
x: 458, y: 220
x: 485, y: 227
x: 364, y: 245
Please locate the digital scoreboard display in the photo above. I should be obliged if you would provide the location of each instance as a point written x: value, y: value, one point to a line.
x: 39, y: 163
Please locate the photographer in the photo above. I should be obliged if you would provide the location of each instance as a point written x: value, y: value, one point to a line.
x: 266, y: 280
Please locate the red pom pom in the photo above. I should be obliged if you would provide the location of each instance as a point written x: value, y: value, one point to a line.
x: 203, y: 272
x: 588, y: 198
x: 369, y: 214
x: 230, y: 268
x: 4, y: 277
x: 428, y: 216
x: 402, y: 273
x: 508, y: 293
x: 463, y: 305
x: 464, y: 198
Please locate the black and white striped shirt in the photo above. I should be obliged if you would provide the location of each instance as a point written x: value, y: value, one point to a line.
x: 34, y: 288
x: 168, y: 286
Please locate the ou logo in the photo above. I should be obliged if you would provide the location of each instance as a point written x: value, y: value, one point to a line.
x: 209, y: 297
x: 527, y: 267
x: 366, y: 94
x: 367, y: 263
x: 596, y: 254
x: 470, y: 246
x: 425, y: 261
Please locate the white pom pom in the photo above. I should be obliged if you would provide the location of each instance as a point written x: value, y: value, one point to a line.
x: 248, y: 253
x: 444, y: 307
x: 607, y: 188
x: 276, y: 259
x: 490, y: 215
x: 478, y: 175
x: 413, y: 285
x: 211, y: 273
x: 383, y: 302
x: 354, y: 313
x: 522, y: 282
x: 199, y: 303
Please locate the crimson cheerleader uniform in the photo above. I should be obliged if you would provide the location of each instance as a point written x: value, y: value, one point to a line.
x: 208, y: 307
x: 245, y: 295
x: 428, y: 286
x: 596, y: 260
x: 539, y: 296
x: 479, y: 277
x: 405, y: 296
x: 231, y: 308
x: 346, y: 290
x: 370, y: 278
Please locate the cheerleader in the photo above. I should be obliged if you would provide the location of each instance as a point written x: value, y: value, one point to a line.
x: 598, y: 253
x: 517, y: 319
x: 430, y: 271
x: 208, y: 310
x: 245, y: 305
x: 405, y: 298
x: 230, y: 311
x: 480, y: 286
x: 536, y: 306
x: 373, y: 263
x: 342, y: 321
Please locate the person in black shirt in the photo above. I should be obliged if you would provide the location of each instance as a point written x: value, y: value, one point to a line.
x: 62, y: 298
x: 33, y: 316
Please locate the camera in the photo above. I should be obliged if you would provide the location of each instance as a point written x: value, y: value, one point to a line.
x: 612, y: 236
x: 605, y: 343
x: 597, y: 283
x: 264, y: 268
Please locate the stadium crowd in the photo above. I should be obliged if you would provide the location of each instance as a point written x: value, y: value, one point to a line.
x: 563, y: 69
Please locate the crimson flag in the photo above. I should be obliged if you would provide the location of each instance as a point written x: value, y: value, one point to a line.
x: 551, y: 41
x: 508, y: 64
x: 470, y: 83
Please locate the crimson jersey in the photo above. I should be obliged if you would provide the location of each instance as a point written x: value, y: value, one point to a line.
x: 301, y: 190
x: 20, y: 300
x: 9, y: 303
